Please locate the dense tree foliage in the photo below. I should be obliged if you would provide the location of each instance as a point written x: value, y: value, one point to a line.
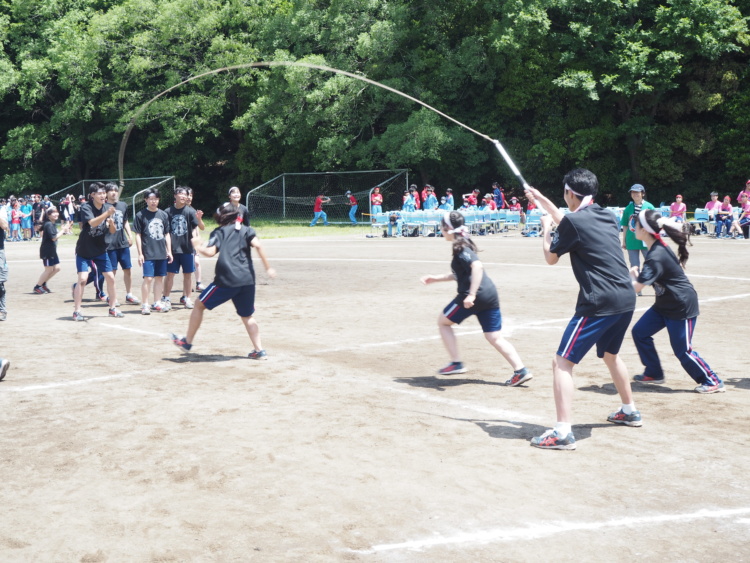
x: 637, y: 90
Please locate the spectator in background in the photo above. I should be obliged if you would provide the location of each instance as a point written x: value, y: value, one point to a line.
x: 352, y: 203
x: 444, y: 204
x: 318, y: 209
x: 376, y: 199
x: 724, y: 217
x: 26, y: 218
x: 742, y: 223
x: 37, y: 213
x: 498, y: 195
x: 712, y: 207
x: 425, y: 194
x: 630, y: 243
x: 678, y: 210
x: 745, y: 190
x: 472, y: 198
x: 431, y: 202
x: 235, y: 195
x: 489, y: 203
x: 410, y: 199
x: 449, y: 199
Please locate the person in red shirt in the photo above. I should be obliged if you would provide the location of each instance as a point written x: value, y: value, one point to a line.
x: 376, y: 200
x: 514, y: 205
x: 318, y: 210
x: 471, y: 198
x: 744, y: 219
x: 352, y: 207
x: 425, y: 194
x: 746, y: 190
x: 489, y: 202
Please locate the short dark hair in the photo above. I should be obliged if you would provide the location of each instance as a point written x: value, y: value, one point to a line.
x: 150, y: 192
x: 227, y: 214
x: 112, y: 187
x: 582, y: 181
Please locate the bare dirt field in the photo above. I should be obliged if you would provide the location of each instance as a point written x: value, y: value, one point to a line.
x: 345, y: 445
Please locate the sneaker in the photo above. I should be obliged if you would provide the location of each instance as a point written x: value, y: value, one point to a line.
x: 166, y: 305
x: 101, y: 297
x: 132, y: 299
x: 180, y: 342
x: 116, y: 314
x: 4, y: 365
x: 551, y: 440
x: 521, y: 376
x: 38, y: 290
x: 158, y: 306
x: 257, y: 355
x: 187, y: 302
x: 145, y: 310
x: 45, y: 288
x: 619, y: 417
x: 78, y: 316
x: 453, y: 367
x: 199, y: 287
x: 643, y: 378
x: 3, y: 315
x: 706, y: 389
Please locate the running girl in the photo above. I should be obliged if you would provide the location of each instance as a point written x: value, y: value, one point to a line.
x: 676, y: 305
x: 48, y: 251
x: 477, y: 295
x: 234, y: 279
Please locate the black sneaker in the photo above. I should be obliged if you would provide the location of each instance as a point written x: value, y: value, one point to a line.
x: 521, y: 376
x: 180, y: 342
x: 452, y: 368
x: 4, y: 365
x: 551, y: 440
x: 45, y: 288
x: 39, y: 290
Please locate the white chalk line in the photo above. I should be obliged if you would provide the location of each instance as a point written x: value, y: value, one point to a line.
x: 74, y: 382
x: 549, y: 529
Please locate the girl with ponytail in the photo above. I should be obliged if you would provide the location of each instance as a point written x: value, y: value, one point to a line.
x: 477, y: 295
x: 676, y: 305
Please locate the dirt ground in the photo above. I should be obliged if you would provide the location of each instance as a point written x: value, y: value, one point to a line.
x: 345, y: 445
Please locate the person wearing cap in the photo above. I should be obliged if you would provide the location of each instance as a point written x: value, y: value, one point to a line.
x: 234, y: 198
x: 489, y: 203
x: 471, y: 198
x: 589, y: 234
x: 352, y: 203
x: 514, y: 205
x: 678, y: 210
x: 630, y: 243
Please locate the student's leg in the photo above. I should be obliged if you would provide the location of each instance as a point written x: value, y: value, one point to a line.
x: 146, y: 290
x: 168, y: 283
x: 505, y: 348
x: 253, y: 331
x: 109, y: 278
x: 196, y: 318
x: 445, y: 326
x: 619, y: 373
x: 158, y: 288
x: 127, y: 278
x: 198, y: 273
x: 78, y: 291
x: 187, y: 285
x: 634, y: 257
x: 316, y: 216
x: 649, y: 324
x: 681, y: 339
x: 562, y: 386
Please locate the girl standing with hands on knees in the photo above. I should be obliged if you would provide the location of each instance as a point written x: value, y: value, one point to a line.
x: 477, y: 295
x: 676, y: 305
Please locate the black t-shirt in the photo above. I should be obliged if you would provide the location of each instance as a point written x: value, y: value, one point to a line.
x: 182, y: 222
x: 48, y: 248
x: 92, y: 241
x: 676, y: 298
x: 153, y: 226
x: 119, y: 238
x: 37, y: 208
x: 234, y: 266
x: 487, y: 297
x: 2, y: 238
x: 592, y: 237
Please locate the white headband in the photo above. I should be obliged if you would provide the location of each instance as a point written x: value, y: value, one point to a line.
x: 463, y: 230
x: 660, y: 222
x: 586, y: 200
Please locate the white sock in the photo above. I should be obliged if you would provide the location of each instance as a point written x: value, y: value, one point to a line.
x: 628, y: 409
x: 563, y: 428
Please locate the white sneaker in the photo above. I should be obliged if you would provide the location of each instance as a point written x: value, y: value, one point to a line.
x: 188, y: 303
x: 166, y: 306
x: 145, y: 310
x: 158, y: 306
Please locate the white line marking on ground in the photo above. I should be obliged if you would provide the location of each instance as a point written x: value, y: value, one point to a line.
x: 550, y: 529
x: 73, y: 382
x: 120, y: 327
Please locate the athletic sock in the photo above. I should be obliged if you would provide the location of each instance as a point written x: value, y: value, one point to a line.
x: 522, y: 371
x: 628, y: 409
x: 563, y: 429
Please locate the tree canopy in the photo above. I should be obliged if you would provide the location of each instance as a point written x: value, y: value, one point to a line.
x: 636, y: 90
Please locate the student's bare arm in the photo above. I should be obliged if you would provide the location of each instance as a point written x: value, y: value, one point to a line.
x: 255, y: 243
x: 550, y: 257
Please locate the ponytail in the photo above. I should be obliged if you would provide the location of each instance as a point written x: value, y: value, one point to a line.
x: 653, y: 222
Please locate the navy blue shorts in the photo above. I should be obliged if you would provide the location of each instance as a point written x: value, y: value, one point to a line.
x: 99, y: 264
x: 583, y: 332
x: 51, y: 261
x: 489, y: 319
x: 242, y: 297
x: 120, y: 256
x: 154, y: 268
x: 186, y: 261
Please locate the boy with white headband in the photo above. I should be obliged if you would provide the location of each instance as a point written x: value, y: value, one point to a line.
x: 606, y: 300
